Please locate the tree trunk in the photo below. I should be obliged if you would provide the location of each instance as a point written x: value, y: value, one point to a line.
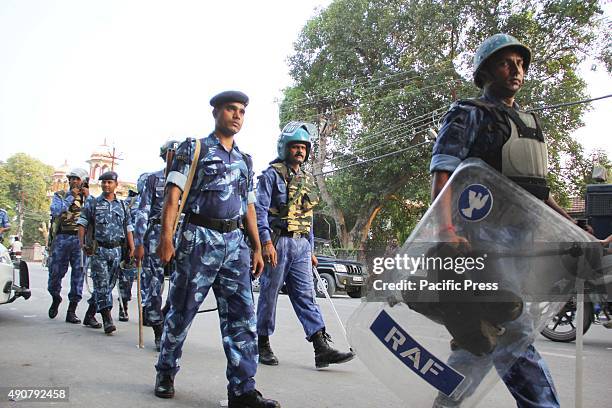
x: 317, y: 167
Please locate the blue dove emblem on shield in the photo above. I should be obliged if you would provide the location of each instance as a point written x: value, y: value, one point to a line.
x: 475, y: 202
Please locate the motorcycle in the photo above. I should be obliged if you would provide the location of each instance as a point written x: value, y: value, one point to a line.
x: 562, y: 328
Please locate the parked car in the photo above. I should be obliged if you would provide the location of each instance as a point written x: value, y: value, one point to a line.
x: 340, y: 275
x: 336, y: 275
x: 9, y: 290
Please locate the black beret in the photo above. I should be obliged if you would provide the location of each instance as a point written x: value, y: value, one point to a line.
x: 229, y: 96
x: 109, y: 175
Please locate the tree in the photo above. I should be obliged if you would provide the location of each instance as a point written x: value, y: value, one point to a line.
x: 24, y: 182
x: 375, y: 76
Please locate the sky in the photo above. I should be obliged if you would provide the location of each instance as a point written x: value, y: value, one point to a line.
x: 74, y: 73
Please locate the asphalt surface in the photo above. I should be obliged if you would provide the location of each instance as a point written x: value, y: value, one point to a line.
x: 111, y: 371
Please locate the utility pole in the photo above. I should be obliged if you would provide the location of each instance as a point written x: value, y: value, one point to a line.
x: 113, y: 157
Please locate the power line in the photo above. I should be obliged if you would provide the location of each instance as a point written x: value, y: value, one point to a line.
x: 411, y: 125
x: 373, y: 158
x: 386, y: 143
x: 394, y: 94
x: 430, y: 141
x: 414, y: 124
x: 400, y: 127
x: 382, y: 78
x: 562, y: 105
x: 416, y: 119
x: 396, y: 132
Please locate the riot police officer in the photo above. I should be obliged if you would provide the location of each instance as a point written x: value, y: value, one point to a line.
x: 64, y: 244
x: 146, y: 238
x: 286, y: 196
x: 496, y: 130
x: 110, y: 224
x: 212, y: 251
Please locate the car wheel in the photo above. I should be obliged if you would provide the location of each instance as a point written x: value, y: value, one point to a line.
x: 327, y: 283
x: 355, y: 293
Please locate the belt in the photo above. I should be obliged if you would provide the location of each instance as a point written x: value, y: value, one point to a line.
x: 110, y: 245
x: 221, y: 225
x: 68, y: 233
x: 534, y: 185
x: 294, y: 235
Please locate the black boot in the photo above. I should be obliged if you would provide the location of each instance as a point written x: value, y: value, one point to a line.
x: 158, y: 329
x: 164, y: 385
x: 123, y: 313
x: 90, y: 317
x: 54, y: 306
x: 71, y: 316
x: 251, y: 399
x: 325, y: 354
x: 107, y: 320
x: 266, y: 355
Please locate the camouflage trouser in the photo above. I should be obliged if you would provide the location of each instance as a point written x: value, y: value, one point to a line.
x: 294, y: 268
x: 516, y: 360
x: 205, y: 259
x: 126, y: 281
x: 152, y: 279
x: 66, y: 250
x: 104, y: 266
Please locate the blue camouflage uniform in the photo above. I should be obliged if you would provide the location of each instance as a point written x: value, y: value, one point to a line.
x: 127, y: 276
x: 146, y: 233
x: 294, y: 265
x: 4, y: 222
x: 111, y: 219
x: 65, y: 248
x: 469, y: 131
x: 205, y: 258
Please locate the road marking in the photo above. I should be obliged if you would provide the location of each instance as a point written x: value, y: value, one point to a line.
x: 548, y: 353
x: 29, y: 315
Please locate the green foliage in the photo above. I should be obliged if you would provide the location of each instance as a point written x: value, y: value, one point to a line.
x: 375, y: 75
x: 24, y: 175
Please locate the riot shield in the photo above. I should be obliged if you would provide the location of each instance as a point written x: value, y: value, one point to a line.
x: 442, y: 312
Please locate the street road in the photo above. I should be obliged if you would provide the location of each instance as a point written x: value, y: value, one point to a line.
x: 110, y: 371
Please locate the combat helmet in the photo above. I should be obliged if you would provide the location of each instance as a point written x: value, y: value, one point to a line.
x: 82, y: 174
x: 294, y: 132
x: 494, y: 44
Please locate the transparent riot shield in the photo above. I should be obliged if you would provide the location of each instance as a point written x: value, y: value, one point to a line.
x: 445, y: 317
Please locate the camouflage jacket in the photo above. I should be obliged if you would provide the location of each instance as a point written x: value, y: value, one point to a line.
x: 285, y: 199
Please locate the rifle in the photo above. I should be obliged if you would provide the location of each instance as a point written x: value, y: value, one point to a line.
x: 170, y: 158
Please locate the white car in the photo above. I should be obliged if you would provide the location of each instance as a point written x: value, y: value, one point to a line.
x: 9, y: 290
